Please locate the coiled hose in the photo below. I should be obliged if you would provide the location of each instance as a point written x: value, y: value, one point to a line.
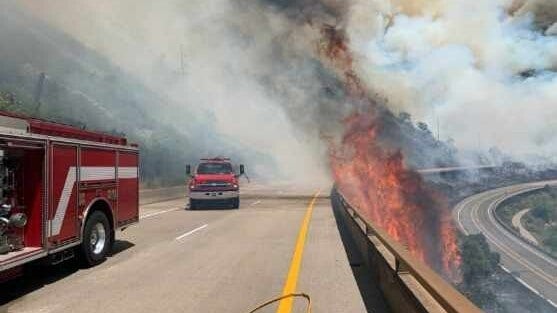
x: 292, y: 295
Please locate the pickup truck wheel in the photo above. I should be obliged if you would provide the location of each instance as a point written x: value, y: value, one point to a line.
x: 193, y: 204
x: 236, y: 203
x: 97, y: 239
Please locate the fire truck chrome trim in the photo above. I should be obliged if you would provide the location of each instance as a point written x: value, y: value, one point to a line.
x: 97, y: 240
x: 19, y: 260
x: 64, y: 246
x: 207, y: 195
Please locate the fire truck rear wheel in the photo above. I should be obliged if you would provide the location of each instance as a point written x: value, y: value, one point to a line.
x: 96, y: 239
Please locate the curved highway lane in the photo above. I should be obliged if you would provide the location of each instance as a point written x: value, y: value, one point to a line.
x: 531, y: 267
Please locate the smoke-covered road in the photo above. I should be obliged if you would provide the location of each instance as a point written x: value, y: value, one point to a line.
x: 177, y: 260
x: 534, y: 269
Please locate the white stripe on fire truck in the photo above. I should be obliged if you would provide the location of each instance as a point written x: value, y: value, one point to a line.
x: 56, y: 223
x: 87, y: 173
x: 127, y: 172
x: 96, y: 173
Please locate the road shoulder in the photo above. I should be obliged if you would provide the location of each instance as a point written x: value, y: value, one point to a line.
x: 326, y: 273
x: 517, y: 222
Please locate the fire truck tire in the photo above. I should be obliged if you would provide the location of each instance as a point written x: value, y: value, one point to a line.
x: 236, y: 203
x: 97, y: 239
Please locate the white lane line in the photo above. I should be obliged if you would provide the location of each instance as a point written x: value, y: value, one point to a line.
x: 157, y: 213
x: 520, y: 280
x: 191, y: 232
x: 525, y: 284
x: 255, y: 203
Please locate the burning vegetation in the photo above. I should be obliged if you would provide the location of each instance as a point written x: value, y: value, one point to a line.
x: 374, y: 177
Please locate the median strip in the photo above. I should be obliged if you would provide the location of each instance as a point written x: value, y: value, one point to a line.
x: 285, y: 305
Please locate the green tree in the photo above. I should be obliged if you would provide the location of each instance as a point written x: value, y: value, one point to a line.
x: 478, y: 262
x: 551, y: 240
x: 543, y: 211
x: 405, y: 117
x: 478, y: 266
x: 423, y: 127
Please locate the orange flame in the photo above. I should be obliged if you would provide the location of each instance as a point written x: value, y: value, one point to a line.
x: 376, y: 180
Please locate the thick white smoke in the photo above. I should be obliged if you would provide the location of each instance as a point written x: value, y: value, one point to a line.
x: 484, y: 69
x: 210, y: 57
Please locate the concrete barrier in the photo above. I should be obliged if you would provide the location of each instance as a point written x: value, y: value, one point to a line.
x: 148, y: 196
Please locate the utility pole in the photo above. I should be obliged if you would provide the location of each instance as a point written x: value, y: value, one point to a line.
x: 182, y: 63
x: 39, y: 91
x: 11, y: 98
x: 438, y: 134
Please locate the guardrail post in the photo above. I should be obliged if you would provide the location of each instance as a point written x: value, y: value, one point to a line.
x: 369, y: 231
x: 400, y: 267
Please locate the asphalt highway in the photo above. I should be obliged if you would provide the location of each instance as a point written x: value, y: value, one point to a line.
x: 208, y: 260
x: 531, y: 267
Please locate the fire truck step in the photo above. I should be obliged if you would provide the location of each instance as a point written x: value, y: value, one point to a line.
x: 62, y: 256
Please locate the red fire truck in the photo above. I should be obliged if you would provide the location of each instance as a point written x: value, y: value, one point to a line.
x: 63, y: 191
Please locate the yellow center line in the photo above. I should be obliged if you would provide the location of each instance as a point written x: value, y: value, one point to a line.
x: 285, y: 305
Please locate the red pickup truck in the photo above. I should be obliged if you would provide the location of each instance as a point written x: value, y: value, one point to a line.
x: 214, y: 182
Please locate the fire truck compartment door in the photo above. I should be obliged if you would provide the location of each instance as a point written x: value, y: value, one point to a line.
x: 63, y: 194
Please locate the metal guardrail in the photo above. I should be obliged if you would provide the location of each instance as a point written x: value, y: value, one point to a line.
x: 446, y: 296
x: 441, y: 170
